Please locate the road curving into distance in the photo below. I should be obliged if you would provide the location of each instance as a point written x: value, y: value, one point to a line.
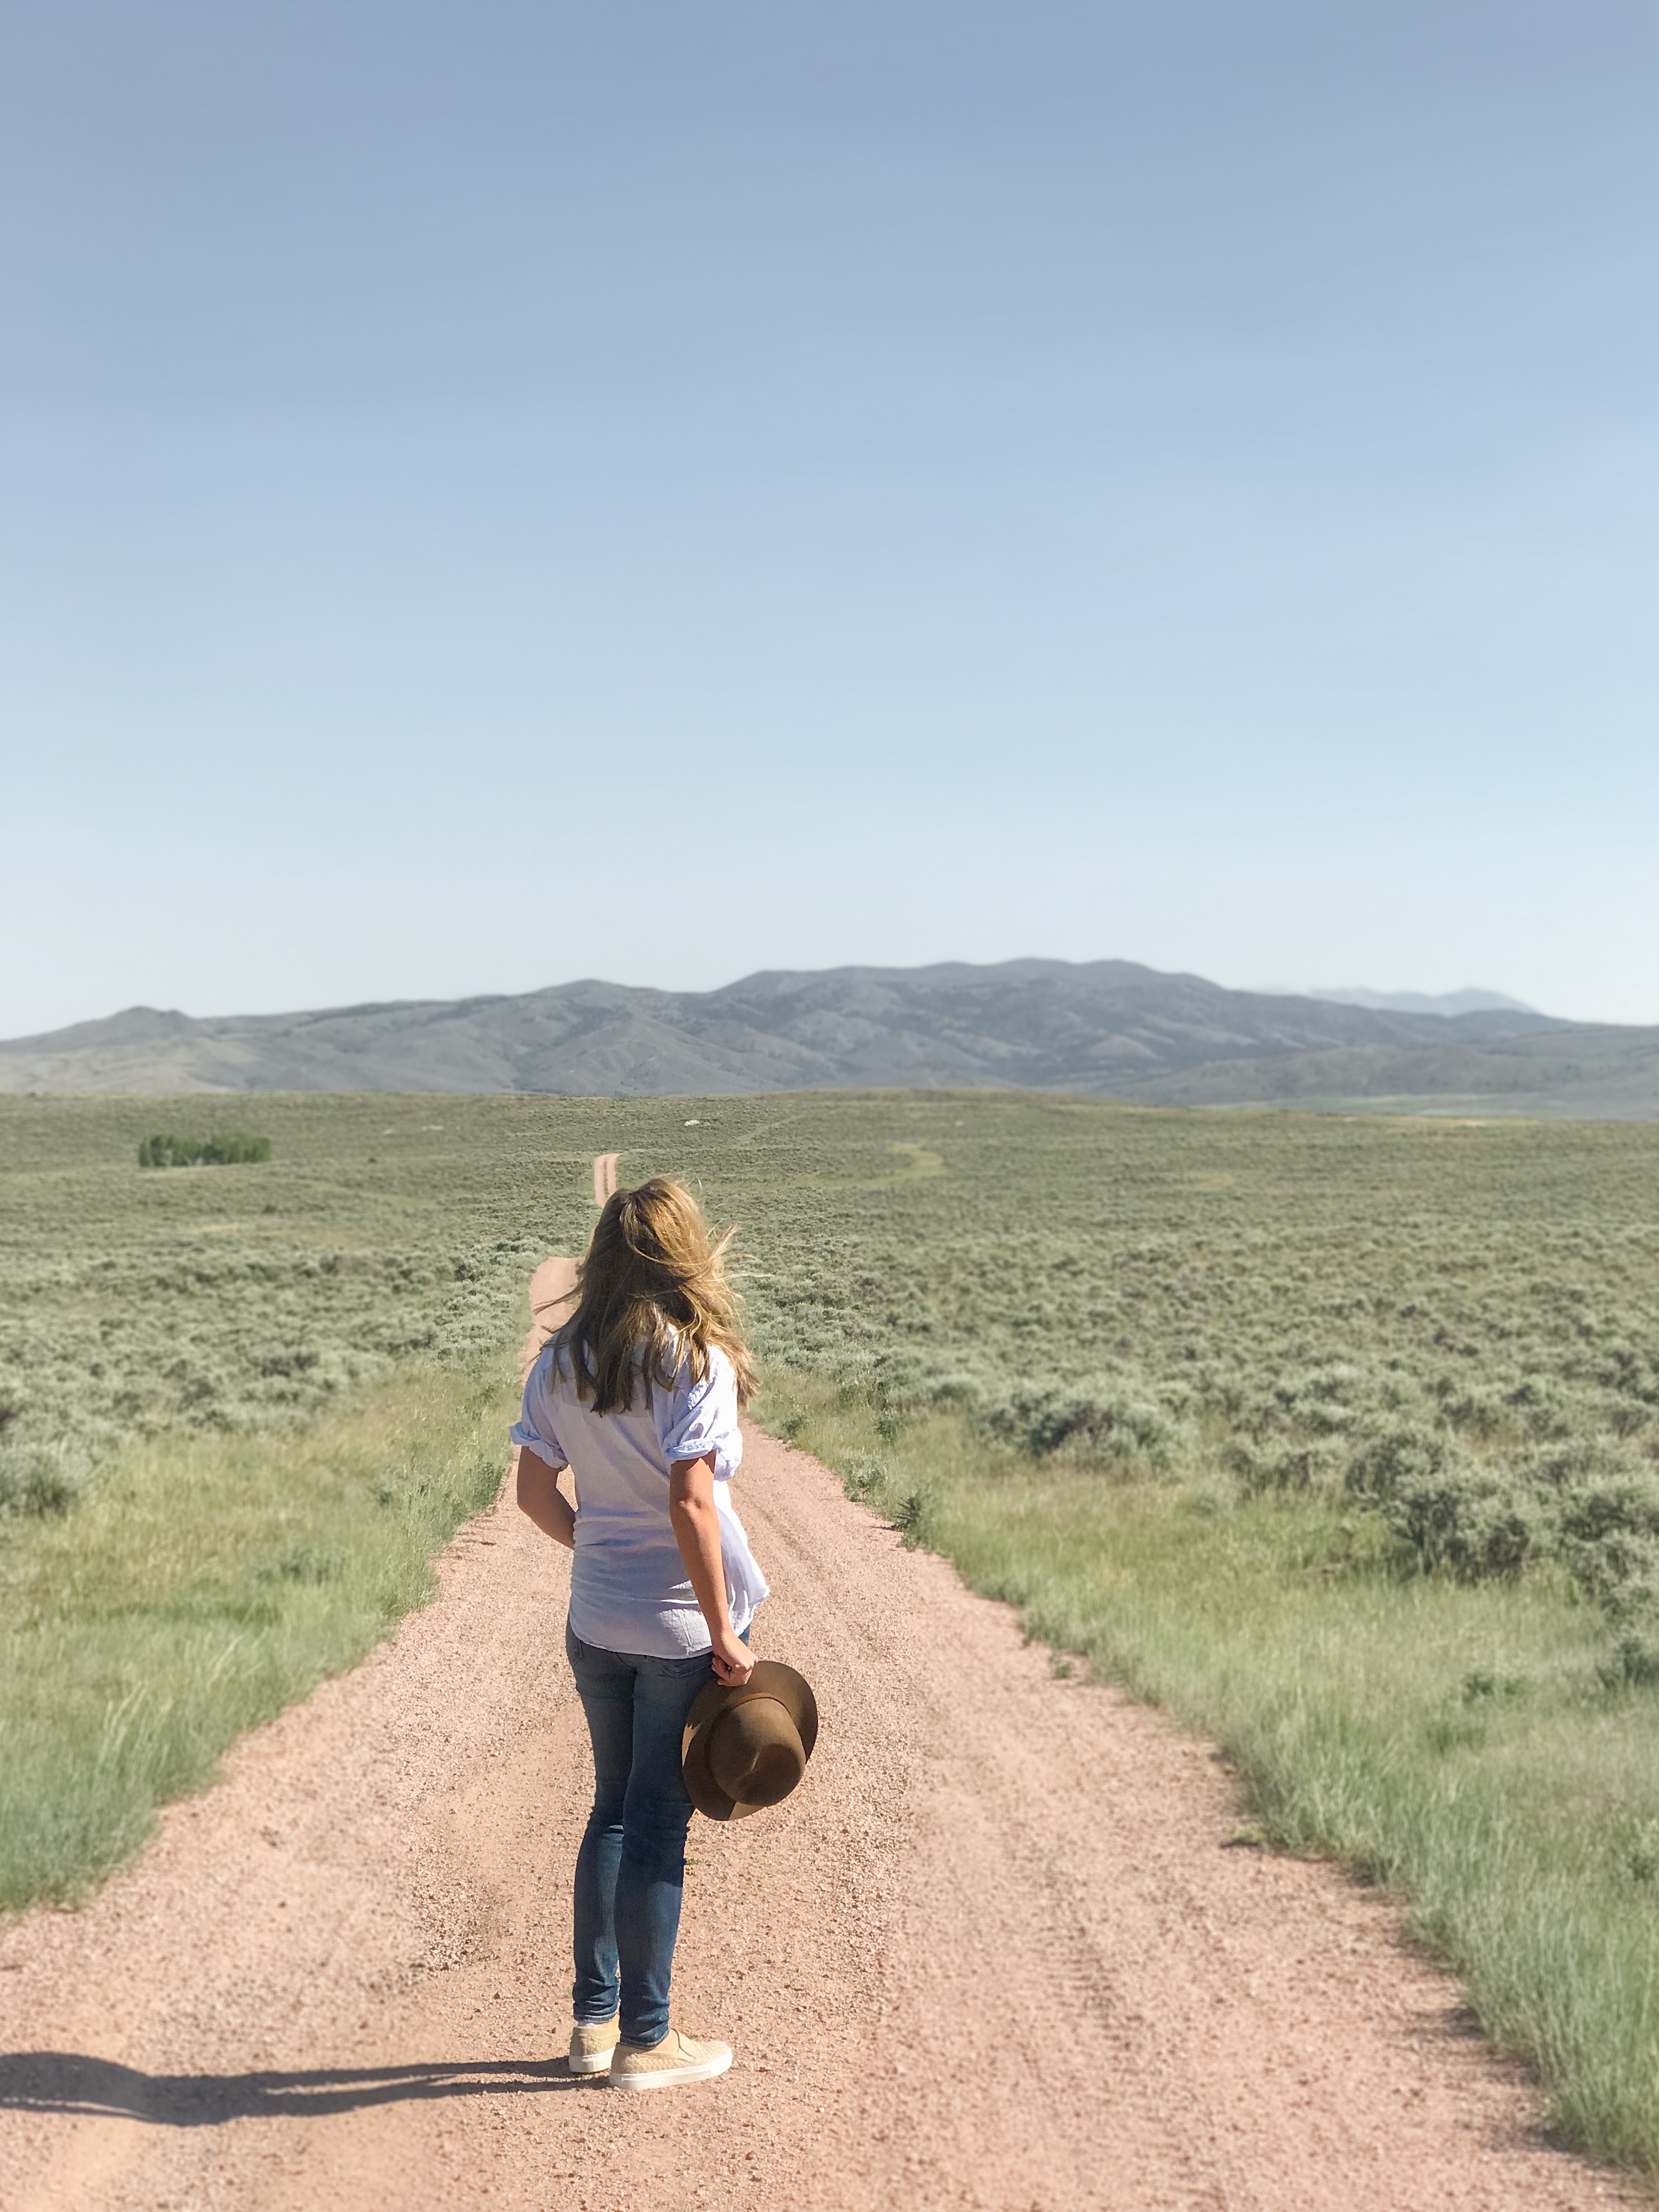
x: 996, y: 1953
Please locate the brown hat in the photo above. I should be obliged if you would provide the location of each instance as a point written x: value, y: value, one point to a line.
x: 746, y: 1749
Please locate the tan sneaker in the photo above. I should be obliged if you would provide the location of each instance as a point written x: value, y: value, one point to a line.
x: 664, y: 2065
x: 591, y: 2047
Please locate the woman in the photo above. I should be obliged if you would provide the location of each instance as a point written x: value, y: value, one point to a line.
x: 638, y: 1394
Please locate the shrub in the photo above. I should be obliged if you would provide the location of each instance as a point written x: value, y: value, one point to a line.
x: 1541, y: 1408
x: 1633, y: 1664
x: 1609, y: 1541
x: 1091, y: 1420
x: 899, y: 1378
x: 1482, y: 1412
x: 912, y: 1516
x: 236, y: 1148
x: 1315, y: 1466
x: 864, y: 1474
x: 1462, y: 1514
x: 1321, y: 1401
x: 40, y: 1478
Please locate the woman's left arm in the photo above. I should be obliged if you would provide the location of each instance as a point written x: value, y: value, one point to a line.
x: 697, y: 1523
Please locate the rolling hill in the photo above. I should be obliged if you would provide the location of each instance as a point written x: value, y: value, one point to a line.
x: 1110, y: 1028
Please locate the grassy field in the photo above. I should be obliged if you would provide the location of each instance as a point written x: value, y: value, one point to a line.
x: 240, y: 1407
x: 1341, y: 1438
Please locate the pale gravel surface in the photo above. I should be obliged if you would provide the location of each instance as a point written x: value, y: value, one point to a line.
x: 995, y: 1952
x: 551, y: 1288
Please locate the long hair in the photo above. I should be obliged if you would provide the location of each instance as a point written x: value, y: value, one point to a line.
x: 651, y: 1296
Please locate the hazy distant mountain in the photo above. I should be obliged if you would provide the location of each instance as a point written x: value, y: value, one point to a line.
x: 1425, y: 1002
x: 1107, y: 1027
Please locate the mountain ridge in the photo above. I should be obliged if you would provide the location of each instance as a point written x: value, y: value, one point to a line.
x: 1110, y: 1028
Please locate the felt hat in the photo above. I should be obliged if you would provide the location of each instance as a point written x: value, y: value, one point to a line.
x: 746, y: 1748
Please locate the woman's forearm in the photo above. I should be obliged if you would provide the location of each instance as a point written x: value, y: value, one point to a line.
x: 697, y: 1532
x: 697, y: 1523
x: 695, y: 1519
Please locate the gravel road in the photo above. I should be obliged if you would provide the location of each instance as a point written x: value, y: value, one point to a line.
x: 995, y: 1952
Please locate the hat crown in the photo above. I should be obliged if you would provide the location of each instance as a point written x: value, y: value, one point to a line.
x: 754, y: 1751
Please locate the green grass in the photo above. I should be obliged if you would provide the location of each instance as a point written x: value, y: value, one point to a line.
x: 1456, y: 1743
x: 1125, y: 1366
x: 209, y: 1582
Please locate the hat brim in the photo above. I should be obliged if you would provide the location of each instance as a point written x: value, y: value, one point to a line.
x: 771, y: 1678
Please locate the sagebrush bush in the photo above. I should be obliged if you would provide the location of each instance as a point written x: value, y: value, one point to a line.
x: 1609, y: 1538
x: 236, y: 1148
x: 1468, y: 1517
x: 1258, y: 1470
x: 41, y: 1478
x: 1095, y: 1420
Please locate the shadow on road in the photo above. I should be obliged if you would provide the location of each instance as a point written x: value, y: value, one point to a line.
x: 70, y: 2082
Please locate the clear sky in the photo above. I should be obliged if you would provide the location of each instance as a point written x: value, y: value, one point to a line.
x: 498, y: 492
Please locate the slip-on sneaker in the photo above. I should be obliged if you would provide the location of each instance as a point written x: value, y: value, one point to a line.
x: 665, y: 2065
x: 591, y: 2047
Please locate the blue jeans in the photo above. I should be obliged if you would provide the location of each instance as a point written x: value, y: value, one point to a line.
x: 630, y: 1869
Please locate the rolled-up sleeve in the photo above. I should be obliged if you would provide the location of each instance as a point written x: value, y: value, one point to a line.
x: 534, y: 1430
x: 695, y: 1418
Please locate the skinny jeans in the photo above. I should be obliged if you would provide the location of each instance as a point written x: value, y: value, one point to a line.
x: 630, y: 1870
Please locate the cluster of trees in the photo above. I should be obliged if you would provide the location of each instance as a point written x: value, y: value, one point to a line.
x: 235, y: 1149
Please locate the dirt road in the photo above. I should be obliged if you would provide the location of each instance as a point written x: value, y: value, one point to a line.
x: 995, y: 1952
x: 551, y: 1289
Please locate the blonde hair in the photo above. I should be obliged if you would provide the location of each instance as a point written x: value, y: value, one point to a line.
x: 651, y: 1296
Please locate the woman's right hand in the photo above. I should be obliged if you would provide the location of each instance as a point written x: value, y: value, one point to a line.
x: 732, y: 1660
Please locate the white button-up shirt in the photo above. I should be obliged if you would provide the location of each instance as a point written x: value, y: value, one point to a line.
x: 629, y: 1587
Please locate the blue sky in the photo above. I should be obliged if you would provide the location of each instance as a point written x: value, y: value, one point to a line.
x: 501, y: 492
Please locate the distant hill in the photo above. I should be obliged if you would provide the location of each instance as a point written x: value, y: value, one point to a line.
x: 1107, y: 1027
x: 1426, y: 1002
